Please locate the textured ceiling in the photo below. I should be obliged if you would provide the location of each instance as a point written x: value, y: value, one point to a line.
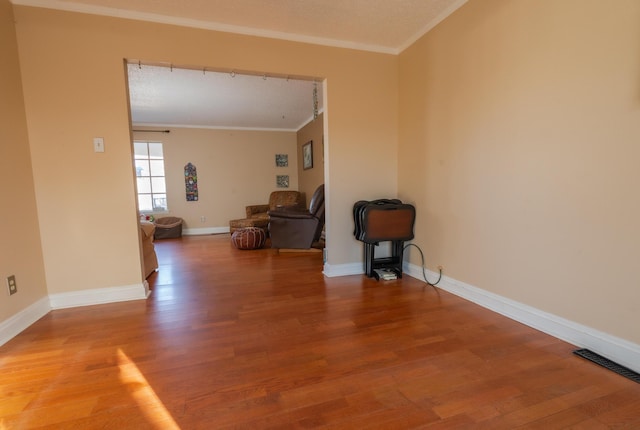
x: 379, y: 25
x: 202, y: 98
x: 172, y: 96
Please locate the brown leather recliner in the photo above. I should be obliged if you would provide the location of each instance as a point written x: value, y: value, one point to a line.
x: 298, y: 229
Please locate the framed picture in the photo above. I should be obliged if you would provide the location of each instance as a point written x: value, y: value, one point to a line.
x: 282, y: 181
x: 282, y: 160
x: 307, y: 155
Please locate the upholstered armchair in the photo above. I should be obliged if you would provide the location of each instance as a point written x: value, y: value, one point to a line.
x: 298, y: 229
x: 149, y: 257
x: 277, y: 200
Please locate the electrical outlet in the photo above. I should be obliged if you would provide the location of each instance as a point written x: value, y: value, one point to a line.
x: 11, y: 285
x: 203, y: 219
x: 440, y: 268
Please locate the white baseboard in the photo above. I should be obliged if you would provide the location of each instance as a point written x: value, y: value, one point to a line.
x: 205, y: 230
x: 147, y: 290
x: 99, y: 296
x: 334, y: 270
x: 619, y: 350
x: 12, y: 326
x: 614, y: 348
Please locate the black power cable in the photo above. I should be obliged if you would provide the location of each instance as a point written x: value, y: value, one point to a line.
x: 424, y: 274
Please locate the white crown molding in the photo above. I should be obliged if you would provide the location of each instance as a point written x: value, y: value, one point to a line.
x: 215, y: 127
x: 309, y: 120
x: 205, y: 25
x: 19, y: 322
x: 211, y: 127
x: 614, y: 348
x: 431, y: 24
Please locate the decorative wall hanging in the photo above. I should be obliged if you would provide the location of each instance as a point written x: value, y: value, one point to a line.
x: 282, y: 160
x: 191, y: 182
x: 282, y: 181
x: 307, y: 155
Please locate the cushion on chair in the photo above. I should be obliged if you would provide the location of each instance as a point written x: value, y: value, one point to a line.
x: 236, y: 224
x: 248, y: 238
x: 149, y: 257
x: 277, y: 199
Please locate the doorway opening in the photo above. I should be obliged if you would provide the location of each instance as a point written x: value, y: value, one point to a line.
x: 236, y: 127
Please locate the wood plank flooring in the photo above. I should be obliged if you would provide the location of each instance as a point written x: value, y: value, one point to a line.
x: 234, y: 339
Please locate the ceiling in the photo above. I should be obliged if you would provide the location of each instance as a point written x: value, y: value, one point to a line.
x: 158, y: 94
x: 170, y: 96
x: 387, y: 26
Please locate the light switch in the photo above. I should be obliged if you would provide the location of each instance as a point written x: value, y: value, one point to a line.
x: 98, y: 144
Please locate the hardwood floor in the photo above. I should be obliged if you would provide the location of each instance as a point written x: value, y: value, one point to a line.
x: 235, y: 339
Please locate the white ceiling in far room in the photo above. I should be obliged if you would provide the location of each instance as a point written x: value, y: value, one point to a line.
x: 171, y: 96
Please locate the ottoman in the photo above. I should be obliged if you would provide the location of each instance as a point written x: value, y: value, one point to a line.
x: 248, y: 238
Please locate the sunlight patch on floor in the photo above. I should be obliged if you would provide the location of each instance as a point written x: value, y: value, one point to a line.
x: 147, y: 400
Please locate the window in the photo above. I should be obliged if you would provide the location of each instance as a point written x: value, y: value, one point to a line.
x: 152, y: 188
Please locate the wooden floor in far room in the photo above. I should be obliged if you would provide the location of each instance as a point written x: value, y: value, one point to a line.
x: 233, y: 339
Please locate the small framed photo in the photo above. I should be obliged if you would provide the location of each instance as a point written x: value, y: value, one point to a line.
x: 282, y: 160
x: 282, y: 181
x: 307, y: 155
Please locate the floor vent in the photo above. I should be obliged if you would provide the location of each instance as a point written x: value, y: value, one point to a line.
x: 605, y: 362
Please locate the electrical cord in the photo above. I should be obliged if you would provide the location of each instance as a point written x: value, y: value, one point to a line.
x: 424, y: 274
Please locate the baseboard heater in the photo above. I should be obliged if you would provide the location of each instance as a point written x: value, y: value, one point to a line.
x: 608, y: 364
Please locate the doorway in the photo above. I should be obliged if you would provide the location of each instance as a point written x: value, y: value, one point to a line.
x: 232, y: 126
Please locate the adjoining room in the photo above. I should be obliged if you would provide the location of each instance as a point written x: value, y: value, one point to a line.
x: 224, y: 141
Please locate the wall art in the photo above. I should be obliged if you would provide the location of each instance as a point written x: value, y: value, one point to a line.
x: 282, y: 160
x: 282, y: 181
x: 191, y: 182
x: 307, y: 155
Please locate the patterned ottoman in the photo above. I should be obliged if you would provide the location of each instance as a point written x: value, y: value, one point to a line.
x: 248, y: 238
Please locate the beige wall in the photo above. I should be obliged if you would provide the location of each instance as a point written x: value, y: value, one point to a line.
x: 74, y: 88
x: 513, y: 127
x: 236, y: 168
x: 519, y: 145
x: 310, y: 179
x: 20, y: 250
